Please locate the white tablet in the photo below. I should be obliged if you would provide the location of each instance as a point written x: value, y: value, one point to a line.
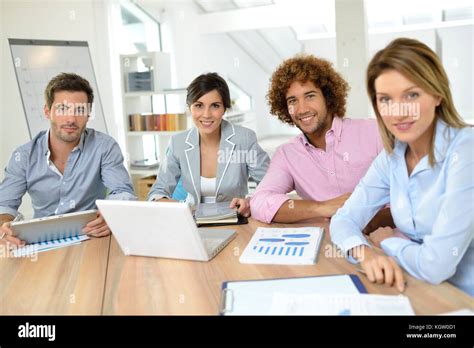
x: 53, y: 227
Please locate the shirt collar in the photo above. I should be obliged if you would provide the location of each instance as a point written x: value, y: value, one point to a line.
x: 227, y: 132
x: 443, y: 136
x: 336, y: 129
x: 79, y: 146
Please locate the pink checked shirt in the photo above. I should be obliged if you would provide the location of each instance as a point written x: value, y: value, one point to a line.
x: 315, y: 174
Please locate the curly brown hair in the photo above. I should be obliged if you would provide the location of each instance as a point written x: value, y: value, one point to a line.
x: 305, y: 68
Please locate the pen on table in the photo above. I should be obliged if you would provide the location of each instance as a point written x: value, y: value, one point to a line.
x: 360, y: 270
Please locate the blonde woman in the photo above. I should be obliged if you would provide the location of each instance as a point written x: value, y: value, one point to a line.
x: 426, y: 173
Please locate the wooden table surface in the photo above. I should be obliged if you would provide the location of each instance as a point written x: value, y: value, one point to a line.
x: 96, y: 277
x: 63, y: 281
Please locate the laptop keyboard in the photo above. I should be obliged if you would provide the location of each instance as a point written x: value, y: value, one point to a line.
x: 211, y: 244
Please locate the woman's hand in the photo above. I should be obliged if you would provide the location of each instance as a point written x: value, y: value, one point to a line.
x: 242, y: 205
x: 380, y: 234
x: 380, y: 269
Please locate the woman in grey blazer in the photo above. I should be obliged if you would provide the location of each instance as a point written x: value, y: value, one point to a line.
x: 215, y: 158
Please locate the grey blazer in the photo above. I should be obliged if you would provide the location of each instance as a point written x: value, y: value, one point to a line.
x: 239, y: 157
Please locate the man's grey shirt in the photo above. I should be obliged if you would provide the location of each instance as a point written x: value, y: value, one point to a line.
x: 95, y: 165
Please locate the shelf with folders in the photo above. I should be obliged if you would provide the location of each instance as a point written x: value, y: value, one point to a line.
x: 152, y: 110
x: 150, y: 126
x: 149, y: 123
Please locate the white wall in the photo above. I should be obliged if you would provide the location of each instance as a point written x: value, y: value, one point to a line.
x: 84, y: 20
x: 458, y: 59
x: 192, y: 54
x: 2, y: 86
x: 455, y: 47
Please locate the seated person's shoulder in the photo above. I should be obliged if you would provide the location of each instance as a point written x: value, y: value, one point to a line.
x: 239, y: 130
x: 290, y: 146
x: 99, y: 140
x: 463, y: 140
x: 366, y: 130
x: 244, y: 133
x: 181, y: 136
x: 368, y: 123
x: 466, y: 133
x: 178, y: 141
x: 31, y: 146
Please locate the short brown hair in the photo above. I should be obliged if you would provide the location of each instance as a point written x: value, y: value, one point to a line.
x: 206, y: 83
x: 67, y: 82
x: 417, y: 62
x: 306, y: 68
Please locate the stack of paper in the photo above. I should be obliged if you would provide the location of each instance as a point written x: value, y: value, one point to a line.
x: 30, y: 249
x: 255, y: 297
x: 340, y: 304
x: 283, y: 246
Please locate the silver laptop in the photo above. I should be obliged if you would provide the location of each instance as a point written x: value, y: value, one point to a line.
x: 161, y: 229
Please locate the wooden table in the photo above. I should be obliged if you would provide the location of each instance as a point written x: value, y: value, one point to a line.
x: 63, y: 281
x: 96, y: 277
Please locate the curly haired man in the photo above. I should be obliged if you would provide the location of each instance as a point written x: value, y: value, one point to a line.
x: 326, y: 161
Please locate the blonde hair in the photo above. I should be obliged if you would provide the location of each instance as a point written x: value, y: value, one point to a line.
x: 417, y: 62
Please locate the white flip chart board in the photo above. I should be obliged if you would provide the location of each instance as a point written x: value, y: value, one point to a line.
x: 36, y: 62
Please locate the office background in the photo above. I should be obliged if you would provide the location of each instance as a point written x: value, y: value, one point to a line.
x: 243, y: 40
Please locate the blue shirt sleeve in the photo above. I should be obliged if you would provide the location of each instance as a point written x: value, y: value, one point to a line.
x: 13, y: 186
x: 114, y: 175
x: 437, y: 258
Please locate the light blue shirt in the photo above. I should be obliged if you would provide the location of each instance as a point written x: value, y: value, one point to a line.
x: 94, y: 165
x: 433, y: 206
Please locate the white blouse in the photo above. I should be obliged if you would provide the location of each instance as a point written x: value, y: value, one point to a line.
x: 208, y: 190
